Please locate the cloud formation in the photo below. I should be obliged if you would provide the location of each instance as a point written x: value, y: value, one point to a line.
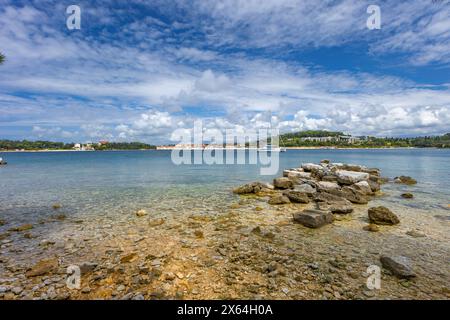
x: 140, y: 71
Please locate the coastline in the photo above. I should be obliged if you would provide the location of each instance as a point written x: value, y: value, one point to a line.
x: 167, y: 149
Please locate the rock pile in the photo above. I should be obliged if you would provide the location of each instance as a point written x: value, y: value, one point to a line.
x: 333, y: 188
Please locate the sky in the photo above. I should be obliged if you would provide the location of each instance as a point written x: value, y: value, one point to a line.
x: 138, y: 70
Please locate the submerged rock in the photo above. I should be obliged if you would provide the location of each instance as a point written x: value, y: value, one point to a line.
x: 398, y: 265
x: 253, y: 187
x: 141, y: 213
x: 405, y: 180
x: 283, y: 183
x: 156, y: 222
x: 371, y: 227
x: 56, y: 206
x: 415, y: 234
x: 2, y: 222
x: 279, y: 199
x: 383, y: 216
x: 296, y: 196
x: 22, y: 228
x: 407, y: 195
x: 43, y: 267
x: 313, y: 218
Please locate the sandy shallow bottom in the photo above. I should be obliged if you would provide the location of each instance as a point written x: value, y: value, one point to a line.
x: 226, y: 247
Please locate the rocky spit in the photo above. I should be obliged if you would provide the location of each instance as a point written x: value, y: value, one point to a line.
x: 311, y: 234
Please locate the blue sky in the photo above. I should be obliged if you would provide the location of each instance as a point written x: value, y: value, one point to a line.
x: 141, y: 69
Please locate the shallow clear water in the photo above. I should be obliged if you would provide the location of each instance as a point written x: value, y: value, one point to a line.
x: 109, y: 183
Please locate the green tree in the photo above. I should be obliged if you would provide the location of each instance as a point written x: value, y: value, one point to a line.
x: 2, y: 58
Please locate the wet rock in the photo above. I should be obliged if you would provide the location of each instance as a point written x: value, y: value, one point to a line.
x: 283, y: 183
x: 141, y: 213
x: 407, y: 195
x: 398, y: 265
x: 405, y: 180
x: 87, y: 267
x: 198, y: 234
x: 325, y: 161
x: 156, y: 222
x: 3, y: 236
x: 375, y: 186
x: 56, y: 206
x: 2, y: 222
x: 22, y: 228
x: 383, y: 216
x: 313, y: 218
x: 350, y: 177
x: 371, y: 227
x: 253, y: 187
x: 59, y: 216
x: 296, y: 196
x: 86, y: 290
x: 340, y: 208
x: 43, y: 267
x: 279, y: 199
x: 354, y: 195
x: 128, y: 258
x: 415, y: 234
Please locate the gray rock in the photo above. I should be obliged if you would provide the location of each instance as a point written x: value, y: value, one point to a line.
x: 328, y: 186
x: 354, y: 195
x: 313, y: 218
x: 398, y: 265
x: 305, y: 188
x: 308, y: 167
x: 351, y: 177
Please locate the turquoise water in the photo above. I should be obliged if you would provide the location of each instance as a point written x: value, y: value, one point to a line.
x: 111, y: 183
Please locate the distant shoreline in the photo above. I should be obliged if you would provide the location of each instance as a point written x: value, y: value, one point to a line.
x: 287, y: 148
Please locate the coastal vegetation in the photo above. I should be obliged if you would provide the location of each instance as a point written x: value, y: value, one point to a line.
x: 311, y: 139
x: 49, y: 145
x: 2, y: 58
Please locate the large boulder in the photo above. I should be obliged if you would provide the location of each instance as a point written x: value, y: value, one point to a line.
x: 308, y: 167
x: 350, y: 177
x: 305, y: 188
x: 355, y: 196
x: 383, y: 216
x: 405, y: 180
x: 313, y: 218
x: 375, y: 185
x: 283, y: 183
x: 326, y: 186
x: 296, y: 196
x: 363, y: 187
x: 398, y: 265
x: 279, y: 199
x: 333, y: 203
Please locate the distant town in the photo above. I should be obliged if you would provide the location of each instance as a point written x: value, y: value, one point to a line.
x: 303, y: 139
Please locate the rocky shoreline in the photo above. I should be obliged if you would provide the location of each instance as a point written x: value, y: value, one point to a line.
x: 312, y: 234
